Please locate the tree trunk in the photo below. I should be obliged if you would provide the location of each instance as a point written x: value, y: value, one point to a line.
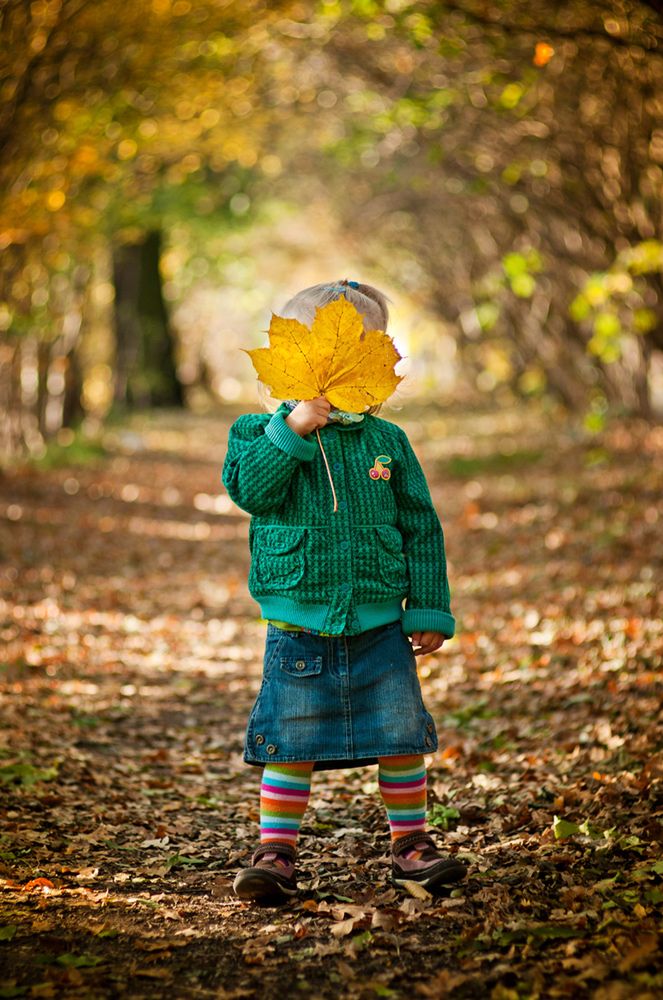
x: 43, y: 364
x: 72, y: 407
x: 145, y: 363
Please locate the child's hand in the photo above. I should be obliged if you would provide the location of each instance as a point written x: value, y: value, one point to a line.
x: 427, y: 642
x: 308, y: 415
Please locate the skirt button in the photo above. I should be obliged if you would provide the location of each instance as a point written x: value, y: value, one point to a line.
x: 260, y: 740
x: 429, y: 727
x: 428, y: 742
x: 271, y: 749
x: 300, y: 665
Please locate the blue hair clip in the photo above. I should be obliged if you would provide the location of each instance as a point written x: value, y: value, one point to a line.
x: 341, y: 288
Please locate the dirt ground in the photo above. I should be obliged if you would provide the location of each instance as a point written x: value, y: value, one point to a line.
x: 131, y: 653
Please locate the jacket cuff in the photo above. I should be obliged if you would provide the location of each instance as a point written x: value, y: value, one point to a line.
x: 428, y: 620
x: 280, y: 434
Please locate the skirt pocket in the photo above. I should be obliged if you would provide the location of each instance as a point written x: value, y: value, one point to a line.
x: 289, y: 714
x: 301, y: 666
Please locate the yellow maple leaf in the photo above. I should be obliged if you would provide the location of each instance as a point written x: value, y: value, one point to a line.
x: 336, y: 358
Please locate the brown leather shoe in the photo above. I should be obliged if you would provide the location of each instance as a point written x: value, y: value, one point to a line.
x: 271, y: 876
x: 432, y: 870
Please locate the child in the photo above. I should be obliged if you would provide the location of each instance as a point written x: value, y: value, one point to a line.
x: 340, y: 685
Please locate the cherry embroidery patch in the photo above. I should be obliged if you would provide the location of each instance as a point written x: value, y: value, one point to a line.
x: 378, y: 470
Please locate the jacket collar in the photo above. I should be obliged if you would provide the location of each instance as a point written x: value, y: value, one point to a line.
x: 332, y: 425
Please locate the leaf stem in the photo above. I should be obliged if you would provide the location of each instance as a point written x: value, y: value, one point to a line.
x: 331, y: 481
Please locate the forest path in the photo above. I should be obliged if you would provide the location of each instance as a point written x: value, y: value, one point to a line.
x: 132, y: 653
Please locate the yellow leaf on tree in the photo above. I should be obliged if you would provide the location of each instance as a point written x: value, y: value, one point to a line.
x: 336, y: 358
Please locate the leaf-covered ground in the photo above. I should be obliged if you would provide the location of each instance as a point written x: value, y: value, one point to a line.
x: 131, y: 653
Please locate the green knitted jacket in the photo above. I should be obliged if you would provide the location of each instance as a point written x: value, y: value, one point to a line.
x: 351, y: 570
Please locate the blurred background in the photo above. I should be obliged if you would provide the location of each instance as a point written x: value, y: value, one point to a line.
x: 171, y: 172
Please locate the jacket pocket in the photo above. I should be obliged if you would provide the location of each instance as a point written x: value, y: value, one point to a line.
x: 279, y: 559
x: 301, y: 666
x: 390, y: 560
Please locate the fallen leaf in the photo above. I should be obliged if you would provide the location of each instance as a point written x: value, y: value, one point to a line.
x: 78, y: 961
x: 416, y: 890
x: 384, y: 921
x: 46, y: 990
x: 38, y: 883
x: 344, y: 927
x: 157, y: 973
x: 412, y: 907
x: 645, y: 946
x: 563, y: 828
x: 87, y: 873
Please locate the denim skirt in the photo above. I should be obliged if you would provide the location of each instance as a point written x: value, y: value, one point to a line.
x: 338, y: 700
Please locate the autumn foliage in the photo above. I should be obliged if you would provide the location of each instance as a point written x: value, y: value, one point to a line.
x: 336, y: 358
x: 130, y: 663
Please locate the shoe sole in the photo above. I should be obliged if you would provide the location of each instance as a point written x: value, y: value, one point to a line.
x: 259, y: 886
x: 448, y: 876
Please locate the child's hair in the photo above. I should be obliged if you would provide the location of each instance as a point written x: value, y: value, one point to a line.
x: 368, y: 301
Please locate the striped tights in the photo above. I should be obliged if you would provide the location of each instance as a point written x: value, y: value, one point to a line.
x: 285, y: 790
